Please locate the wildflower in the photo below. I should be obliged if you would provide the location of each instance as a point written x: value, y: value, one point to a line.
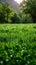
x: 7, y: 60
x: 1, y: 62
x: 10, y: 55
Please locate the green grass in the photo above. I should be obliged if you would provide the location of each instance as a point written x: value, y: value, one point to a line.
x: 18, y: 44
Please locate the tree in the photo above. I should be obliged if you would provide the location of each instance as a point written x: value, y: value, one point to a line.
x: 6, y: 12
x: 30, y: 8
x: 2, y: 16
x: 26, y: 18
x: 16, y: 18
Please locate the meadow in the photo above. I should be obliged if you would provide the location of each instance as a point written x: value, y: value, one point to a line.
x: 17, y: 44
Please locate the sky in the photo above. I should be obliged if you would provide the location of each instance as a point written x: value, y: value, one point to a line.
x: 18, y: 1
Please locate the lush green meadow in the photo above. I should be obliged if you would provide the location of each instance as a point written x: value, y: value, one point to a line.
x: 17, y: 44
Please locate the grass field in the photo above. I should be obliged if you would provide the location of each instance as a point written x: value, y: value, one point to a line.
x: 18, y: 44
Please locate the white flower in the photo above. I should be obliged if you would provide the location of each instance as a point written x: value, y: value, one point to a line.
x: 1, y: 62
x: 17, y: 60
x: 7, y: 60
x: 11, y: 56
x: 28, y: 62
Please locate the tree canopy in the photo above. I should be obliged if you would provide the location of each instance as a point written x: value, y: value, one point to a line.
x: 29, y: 7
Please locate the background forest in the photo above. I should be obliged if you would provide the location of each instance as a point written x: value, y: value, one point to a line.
x: 27, y: 13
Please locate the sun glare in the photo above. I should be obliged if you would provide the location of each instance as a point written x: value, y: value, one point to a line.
x: 18, y: 1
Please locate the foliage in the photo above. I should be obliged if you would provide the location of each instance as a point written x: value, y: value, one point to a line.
x: 16, y: 18
x: 30, y: 8
x: 2, y: 16
x: 6, y: 12
x: 18, y: 44
x: 26, y: 18
x: 27, y: 13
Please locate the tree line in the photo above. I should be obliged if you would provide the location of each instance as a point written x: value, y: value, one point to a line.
x: 9, y: 15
